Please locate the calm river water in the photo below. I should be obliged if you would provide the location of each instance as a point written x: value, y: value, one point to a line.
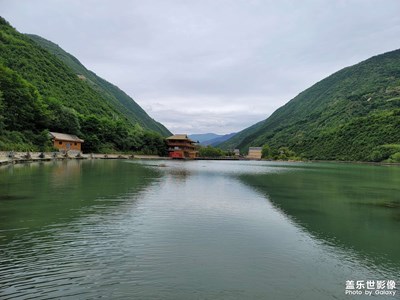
x: 196, y: 229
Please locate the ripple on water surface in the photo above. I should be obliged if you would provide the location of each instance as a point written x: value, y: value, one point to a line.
x: 187, y: 230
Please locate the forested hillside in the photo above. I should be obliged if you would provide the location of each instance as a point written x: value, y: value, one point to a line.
x: 119, y: 98
x: 353, y: 114
x: 40, y: 93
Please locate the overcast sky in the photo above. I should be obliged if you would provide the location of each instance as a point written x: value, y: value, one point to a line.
x: 202, y: 66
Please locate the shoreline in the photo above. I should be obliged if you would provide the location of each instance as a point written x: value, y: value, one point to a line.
x: 31, y: 157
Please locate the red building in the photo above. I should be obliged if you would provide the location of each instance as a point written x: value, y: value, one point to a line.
x: 180, y: 146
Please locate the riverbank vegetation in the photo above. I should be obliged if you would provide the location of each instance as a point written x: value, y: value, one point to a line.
x: 283, y: 153
x: 386, y: 153
x: 213, y: 152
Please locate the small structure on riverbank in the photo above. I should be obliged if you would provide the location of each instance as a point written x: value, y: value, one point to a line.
x: 255, y: 153
x: 66, y: 142
x: 180, y: 146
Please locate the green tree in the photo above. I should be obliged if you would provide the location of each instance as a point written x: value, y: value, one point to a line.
x: 210, y: 151
x: 395, y: 157
x: 23, y: 108
x: 266, y: 151
x: 284, y: 153
x: 43, y: 141
x: 1, y: 112
x: 62, y: 118
x: 383, y: 152
x: 91, y: 144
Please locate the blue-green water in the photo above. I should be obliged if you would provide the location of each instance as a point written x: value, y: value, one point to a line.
x: 196, y: 229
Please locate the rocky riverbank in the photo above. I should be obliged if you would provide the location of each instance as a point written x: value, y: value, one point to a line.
x: 11, y: 157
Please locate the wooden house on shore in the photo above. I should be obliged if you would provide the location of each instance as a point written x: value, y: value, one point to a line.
x: 66, y: 142
x: 180, y: 146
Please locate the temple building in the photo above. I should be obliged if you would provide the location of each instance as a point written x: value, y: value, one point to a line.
x: 180, y: 146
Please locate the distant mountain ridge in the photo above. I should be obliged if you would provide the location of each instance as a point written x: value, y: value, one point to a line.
x: 211, y: 139
x: 202, y: 137
x: 354, y: 114
x: 218, y: 140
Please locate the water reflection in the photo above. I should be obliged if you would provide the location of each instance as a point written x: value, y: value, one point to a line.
x: 41, y: 194
x: 348, y: 206
x: 355, y: 208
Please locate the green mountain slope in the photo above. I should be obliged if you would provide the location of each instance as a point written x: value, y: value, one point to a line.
x: 39, y: 92
x: 120, y: 99
x: 353, y: 114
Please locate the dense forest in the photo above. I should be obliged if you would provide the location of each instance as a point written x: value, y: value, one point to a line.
x: 40, y: 93
x: 353, y: 115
